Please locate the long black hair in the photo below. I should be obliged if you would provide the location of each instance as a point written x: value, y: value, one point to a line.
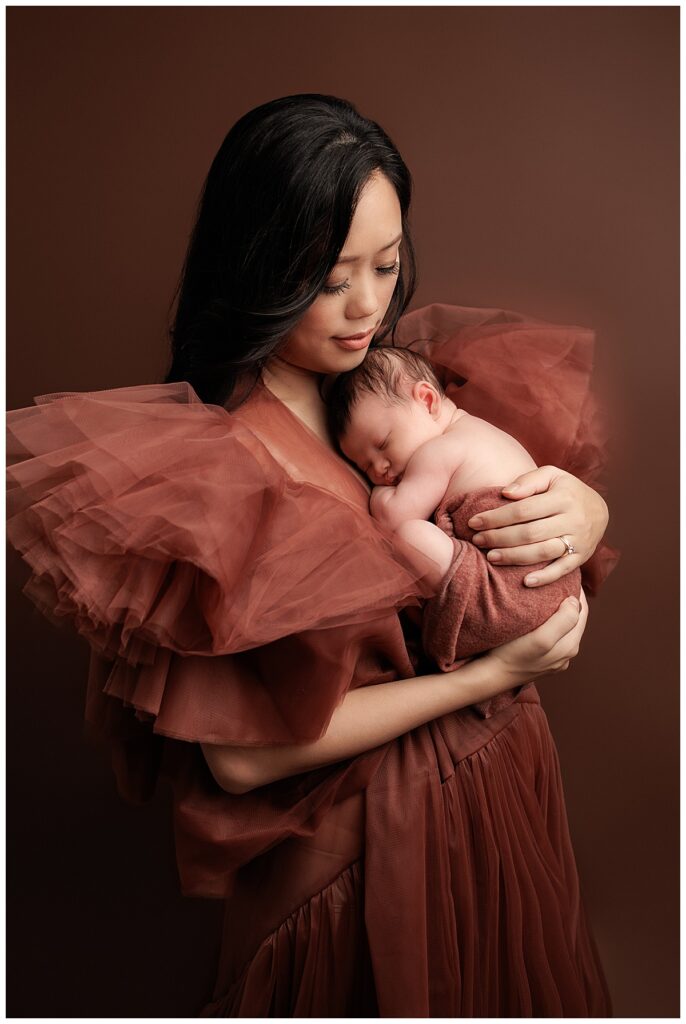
x: 273, y: 216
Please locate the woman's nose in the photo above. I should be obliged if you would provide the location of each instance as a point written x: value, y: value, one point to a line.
x: 362, y: 303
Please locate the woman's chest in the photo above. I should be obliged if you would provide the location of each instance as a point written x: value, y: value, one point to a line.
x: 304, y: 448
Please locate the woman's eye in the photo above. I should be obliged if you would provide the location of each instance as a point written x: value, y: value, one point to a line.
x: 393, y: 268
x: 335, y: 289
x: 338, y: 289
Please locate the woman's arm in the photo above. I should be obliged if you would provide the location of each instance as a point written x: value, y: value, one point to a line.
x: 373, y: 715
x: 549, y: 504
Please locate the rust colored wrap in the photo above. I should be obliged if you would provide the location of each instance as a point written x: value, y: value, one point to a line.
x: 480, y: 605
x: 233, y: 587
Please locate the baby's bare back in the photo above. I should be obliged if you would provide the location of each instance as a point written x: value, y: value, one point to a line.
x: 482, y: 455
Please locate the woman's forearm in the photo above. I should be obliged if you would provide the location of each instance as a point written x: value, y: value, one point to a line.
x: 366, y: 718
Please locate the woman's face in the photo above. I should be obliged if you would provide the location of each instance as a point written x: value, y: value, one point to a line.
x: 358, y: 290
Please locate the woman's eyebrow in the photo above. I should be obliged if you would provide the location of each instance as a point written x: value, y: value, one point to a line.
x: 353, y: 259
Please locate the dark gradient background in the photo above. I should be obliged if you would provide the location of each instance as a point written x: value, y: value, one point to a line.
x: 544, y: 148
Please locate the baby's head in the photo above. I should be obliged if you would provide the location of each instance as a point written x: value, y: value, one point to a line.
x: 381, y: 411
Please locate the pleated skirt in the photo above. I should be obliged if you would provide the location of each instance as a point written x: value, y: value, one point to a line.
x: 448, y: 887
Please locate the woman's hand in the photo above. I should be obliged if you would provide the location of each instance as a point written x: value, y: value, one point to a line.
x: 549, y: 504
x: 547, y: 649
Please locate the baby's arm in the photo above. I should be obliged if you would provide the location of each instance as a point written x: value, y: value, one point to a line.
x: 422, y: 487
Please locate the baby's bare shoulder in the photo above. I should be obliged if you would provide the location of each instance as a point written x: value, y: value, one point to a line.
x: 433, y: 455
x: 435, y: 448
x: 477, y: 435
x: 442, y: 452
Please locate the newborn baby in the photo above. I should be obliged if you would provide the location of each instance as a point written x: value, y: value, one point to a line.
x: 392, y: 418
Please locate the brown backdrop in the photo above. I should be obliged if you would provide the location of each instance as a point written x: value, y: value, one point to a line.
x: 544, y: 146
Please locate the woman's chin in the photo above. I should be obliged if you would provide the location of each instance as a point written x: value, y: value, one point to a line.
x: 342, y: 359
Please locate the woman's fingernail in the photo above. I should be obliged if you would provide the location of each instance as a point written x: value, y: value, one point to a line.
x: 513, y: 489
x: 494, y: 556
x: 478, y: 538
x: 531, y: 581
x: 476, y: 523
x: 574, y: 603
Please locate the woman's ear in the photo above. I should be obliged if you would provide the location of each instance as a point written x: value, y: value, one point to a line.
x: 429, y: 397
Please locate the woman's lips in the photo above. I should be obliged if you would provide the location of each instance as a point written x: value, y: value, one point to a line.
x: 356, y: 341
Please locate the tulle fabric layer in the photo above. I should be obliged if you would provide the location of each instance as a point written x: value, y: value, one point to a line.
x: 466, y: 903
x: 151, y: 520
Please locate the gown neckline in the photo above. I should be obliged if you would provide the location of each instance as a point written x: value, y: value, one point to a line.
x: 312, y: 434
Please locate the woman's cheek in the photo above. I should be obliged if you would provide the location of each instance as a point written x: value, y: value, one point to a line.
x: 383, y: 301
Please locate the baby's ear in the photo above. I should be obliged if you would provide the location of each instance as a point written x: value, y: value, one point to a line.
x: 429, y: 397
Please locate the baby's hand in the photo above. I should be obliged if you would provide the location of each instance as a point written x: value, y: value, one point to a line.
x: 379, y: 501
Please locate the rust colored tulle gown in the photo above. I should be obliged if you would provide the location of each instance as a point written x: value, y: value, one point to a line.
x: 233, y: 587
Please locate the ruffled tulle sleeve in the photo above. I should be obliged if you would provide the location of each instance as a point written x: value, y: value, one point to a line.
x: 532, y: 379
x: 228, y: 592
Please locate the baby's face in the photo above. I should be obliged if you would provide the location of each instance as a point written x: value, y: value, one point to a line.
x: 383, y: 436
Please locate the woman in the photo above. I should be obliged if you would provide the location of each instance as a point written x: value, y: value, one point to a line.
x: 383, y: 848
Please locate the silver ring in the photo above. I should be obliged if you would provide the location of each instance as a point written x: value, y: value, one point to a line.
x: 571, y: 550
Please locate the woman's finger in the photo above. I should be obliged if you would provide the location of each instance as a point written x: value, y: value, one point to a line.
x: 528, y: 554
x: 543, y: 649
x: 568, y: 644
x: 555, y: 571
x: 558, y: 625
x: 535, y: 481
x: 539, y: 506
x: 535, y: 532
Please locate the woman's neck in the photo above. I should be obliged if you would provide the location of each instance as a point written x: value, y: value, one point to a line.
x: 299, y: 390
x: 297, y: 387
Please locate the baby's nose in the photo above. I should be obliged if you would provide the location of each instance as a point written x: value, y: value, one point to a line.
x: 381, y: 467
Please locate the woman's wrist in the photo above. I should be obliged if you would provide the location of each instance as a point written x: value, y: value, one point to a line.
x: 485, y: 677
